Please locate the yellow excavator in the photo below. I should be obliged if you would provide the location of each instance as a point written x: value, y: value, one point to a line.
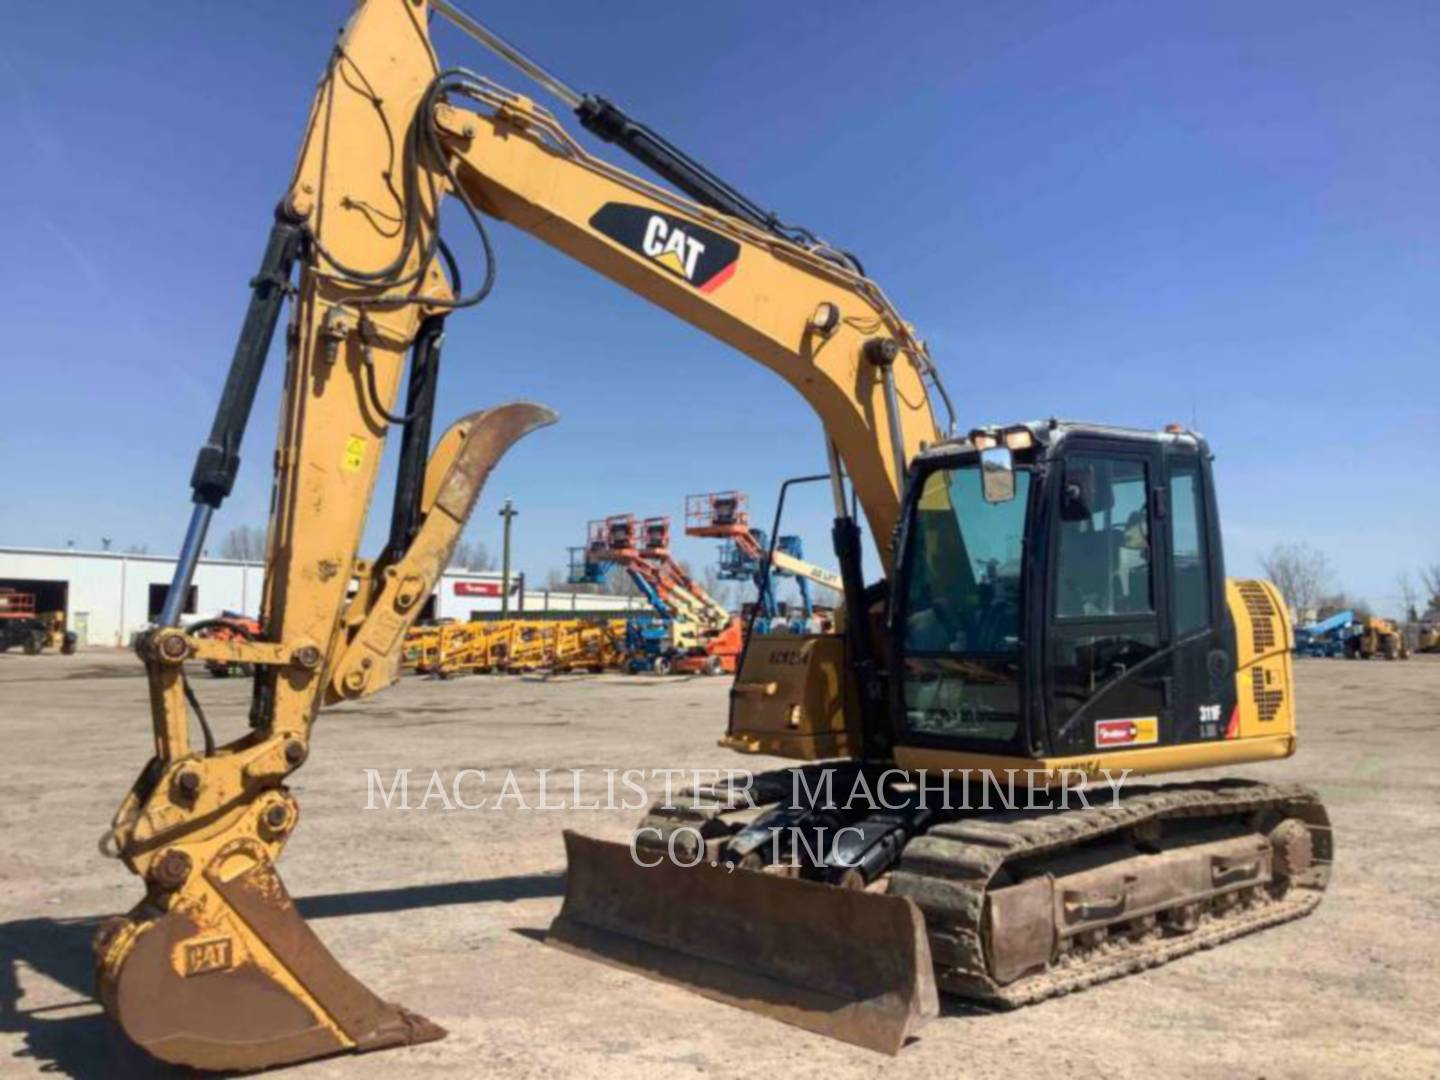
x: 1050, y: 605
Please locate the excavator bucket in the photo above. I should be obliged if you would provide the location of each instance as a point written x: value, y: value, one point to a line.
x: 849, y: 964
x: 232, y: 977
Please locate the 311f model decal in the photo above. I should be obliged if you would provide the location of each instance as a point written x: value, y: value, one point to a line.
x: 691, y: 252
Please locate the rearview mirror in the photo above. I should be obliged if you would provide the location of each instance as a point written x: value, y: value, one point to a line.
x: 997, y: 475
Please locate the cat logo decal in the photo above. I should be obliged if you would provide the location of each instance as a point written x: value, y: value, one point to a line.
x: 686, y: 249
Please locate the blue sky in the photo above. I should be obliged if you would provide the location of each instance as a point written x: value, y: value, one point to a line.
x: 1125, y: 212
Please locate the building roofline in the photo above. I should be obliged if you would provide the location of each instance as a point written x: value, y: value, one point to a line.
x: 82, y: 553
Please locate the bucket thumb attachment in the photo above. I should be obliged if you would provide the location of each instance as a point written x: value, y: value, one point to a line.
x: 462, y: 461
x: 845, y: 963
x: 224, y: 973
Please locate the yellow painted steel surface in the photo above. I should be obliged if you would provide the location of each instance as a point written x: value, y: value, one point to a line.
x: 1264, y: 674
x: 792, y: 698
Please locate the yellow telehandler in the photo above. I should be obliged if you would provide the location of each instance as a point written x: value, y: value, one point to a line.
x: 1371, y: 636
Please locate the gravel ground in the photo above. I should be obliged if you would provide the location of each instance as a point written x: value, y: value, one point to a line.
x: 443, y: 911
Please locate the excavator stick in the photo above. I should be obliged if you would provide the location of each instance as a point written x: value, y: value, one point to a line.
x: 216, y: 968
x: 845, y: 963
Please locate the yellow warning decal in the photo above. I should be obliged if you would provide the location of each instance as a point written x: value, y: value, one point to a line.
x: 354, y: 453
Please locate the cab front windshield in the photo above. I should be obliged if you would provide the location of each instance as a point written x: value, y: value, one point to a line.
x: 961, y: 634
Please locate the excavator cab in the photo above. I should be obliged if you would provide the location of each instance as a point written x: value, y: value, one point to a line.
x: 1059, y: 602
x: 1059, y: 598
x: 1084, y: 613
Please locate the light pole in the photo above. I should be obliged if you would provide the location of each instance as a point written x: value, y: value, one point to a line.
x: 507, y: 512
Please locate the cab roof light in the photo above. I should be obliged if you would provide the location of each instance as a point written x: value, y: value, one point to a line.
x: 1019, y: 439
x: 983, y: 440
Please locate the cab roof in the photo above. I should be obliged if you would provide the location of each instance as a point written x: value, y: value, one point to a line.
x: 1049, y: 434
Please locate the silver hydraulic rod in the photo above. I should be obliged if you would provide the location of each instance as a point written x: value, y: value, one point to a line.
x: 897, y: 435
x: 837, y: 478
x: 507, y: 52
x: 185, y: 566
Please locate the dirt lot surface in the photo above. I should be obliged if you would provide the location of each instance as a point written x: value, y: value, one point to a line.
x: 443, y: 910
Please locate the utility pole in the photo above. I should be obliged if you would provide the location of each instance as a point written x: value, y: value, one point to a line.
x: 507, y: 512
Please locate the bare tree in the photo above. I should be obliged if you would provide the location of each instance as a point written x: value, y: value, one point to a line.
x: 820, y: 595
x: 244, y: 543
x: 1336, y: 602
x: 472, y: 555
x: 618, y: 583
x: 1409, y: 597
x: 1430, y: 583
x: 1300, y: 572
x: 721, y: 590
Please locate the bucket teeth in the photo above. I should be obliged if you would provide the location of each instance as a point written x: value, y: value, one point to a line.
x: 228, y: 975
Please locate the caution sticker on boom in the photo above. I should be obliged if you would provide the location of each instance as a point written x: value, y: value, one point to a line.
x: 690, y: 251
x: 1134, y: 731
x: 354, y: 454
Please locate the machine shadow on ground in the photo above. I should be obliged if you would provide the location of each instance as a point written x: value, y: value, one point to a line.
x: 75, y: 1037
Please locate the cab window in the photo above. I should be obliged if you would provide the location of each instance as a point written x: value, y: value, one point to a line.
x: 1104, y: 551
x: 1191, y: 587
x: 961, y: 628
x: 964, y: 558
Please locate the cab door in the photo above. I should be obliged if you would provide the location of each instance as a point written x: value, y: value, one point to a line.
x: 1204, y: 694
x: 1109, y: 671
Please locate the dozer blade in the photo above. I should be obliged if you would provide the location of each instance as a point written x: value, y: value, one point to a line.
x: 230, y: 976
x: 849, y: 964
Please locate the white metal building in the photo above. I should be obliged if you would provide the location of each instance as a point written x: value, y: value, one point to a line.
x: 106, y: 596
x: 467, y: 594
